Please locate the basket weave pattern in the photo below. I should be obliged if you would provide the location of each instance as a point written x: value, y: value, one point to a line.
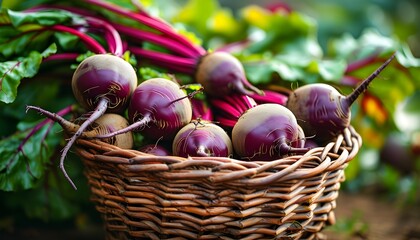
x: 141, y: 196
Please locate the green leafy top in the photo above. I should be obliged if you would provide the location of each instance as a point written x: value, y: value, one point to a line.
x: 22, y: 32
x: 14, y: 71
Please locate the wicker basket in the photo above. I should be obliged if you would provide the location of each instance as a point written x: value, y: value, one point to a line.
x: 141, y: 196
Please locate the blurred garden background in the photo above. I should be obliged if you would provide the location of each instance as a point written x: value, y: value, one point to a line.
x: 289, y: 43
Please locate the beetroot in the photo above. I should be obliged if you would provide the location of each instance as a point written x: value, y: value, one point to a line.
x: 266, y: 132
x: 104, y: 78
x: 221, y: 74
x: 202, y: 139
x: 158, y: 109
x: 101, y: 83
x: 324, y: 112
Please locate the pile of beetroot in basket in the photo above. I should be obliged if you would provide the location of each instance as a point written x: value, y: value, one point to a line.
x: 226, y: 116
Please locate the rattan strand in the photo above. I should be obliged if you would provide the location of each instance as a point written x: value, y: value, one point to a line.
x: 149, y: 197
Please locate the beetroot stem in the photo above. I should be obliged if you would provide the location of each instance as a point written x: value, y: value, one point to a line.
x: 61, y: 57
x: 150, y: 22
x: 239, y: 101
x: 91, y: 43
x: 112, y: 36
x: 115, y: 29
x: 360, y: 63
x: 364, y: 85
x: 185, y: 65
x: 226, y: 108
x: 235, y: 46
x: 157, y: 39
x: 270, y: 97
x: 226, y: 121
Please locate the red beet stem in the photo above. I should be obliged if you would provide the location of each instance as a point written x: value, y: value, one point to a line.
x: 112, y: 36
x: 61, y: 57
x: 92, y: 44
x: 150, y: 22
x: 175, y: 63
x: 158, y: 39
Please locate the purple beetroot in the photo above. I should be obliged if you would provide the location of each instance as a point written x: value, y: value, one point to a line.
x: 324, y: 112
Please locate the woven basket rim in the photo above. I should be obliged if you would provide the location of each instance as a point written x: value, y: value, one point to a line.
x: 334, y: 155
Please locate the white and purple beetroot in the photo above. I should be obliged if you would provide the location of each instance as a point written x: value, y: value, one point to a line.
x: 324, y: 112
x: 104, y: 81
x: 108, y: 123
x: 266, y: 132
x: 202, y: 139
x: 101, y: 83
x: 221, y: 74
x: 158, y: 109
